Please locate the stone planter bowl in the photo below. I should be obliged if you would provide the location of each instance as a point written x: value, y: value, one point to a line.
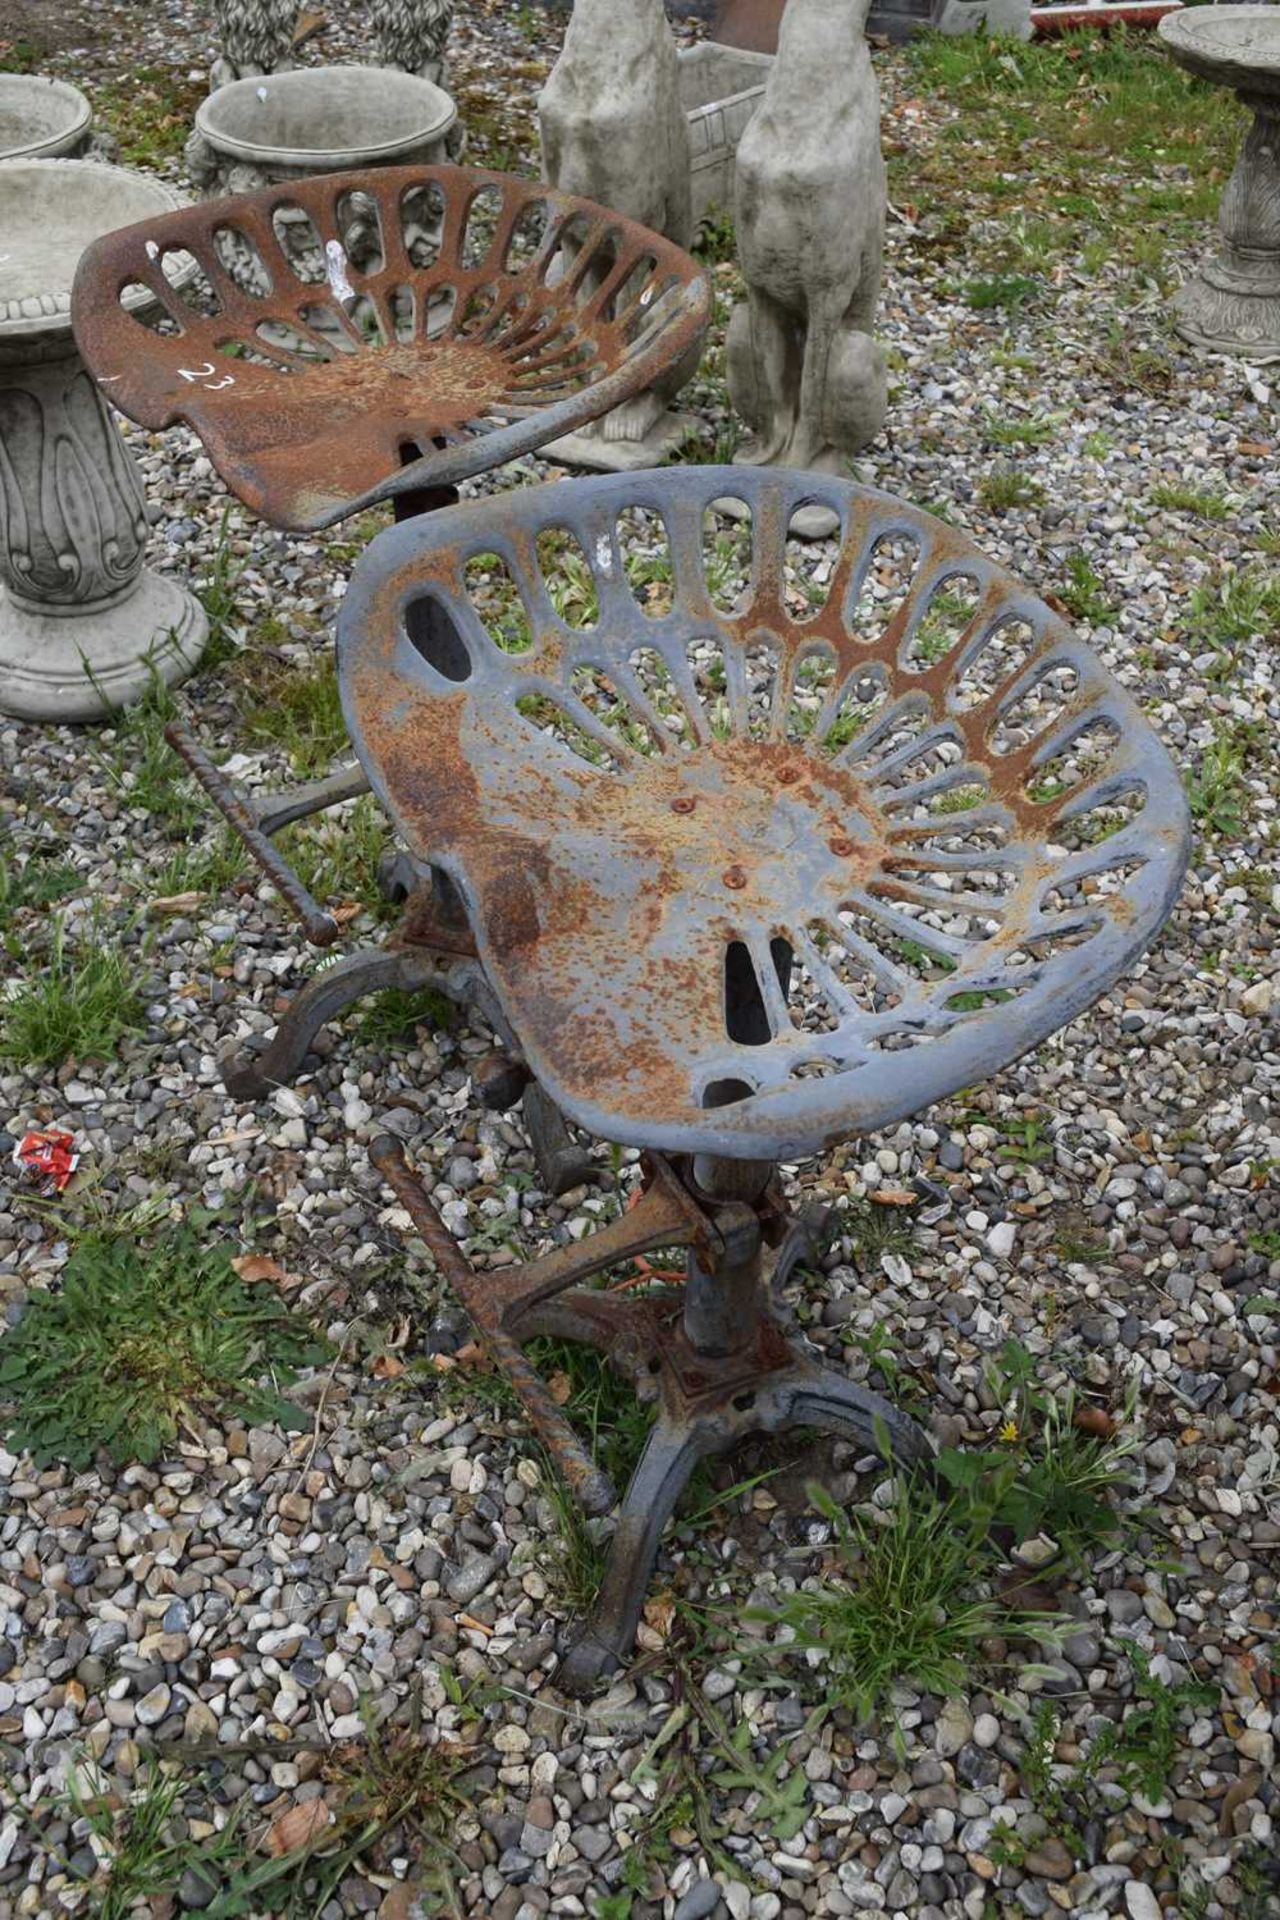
x: 41, y: 119
x: 311, y: 120
x: 720, y: 89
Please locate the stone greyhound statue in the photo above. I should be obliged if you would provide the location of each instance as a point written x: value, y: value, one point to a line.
x: 809, y: 207
x: 614, y: 130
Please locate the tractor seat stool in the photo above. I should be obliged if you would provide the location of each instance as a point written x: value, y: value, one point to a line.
x: 751, y: 867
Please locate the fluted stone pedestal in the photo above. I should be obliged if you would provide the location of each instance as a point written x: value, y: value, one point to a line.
x: 1233, y: 303
x: 84, y: 626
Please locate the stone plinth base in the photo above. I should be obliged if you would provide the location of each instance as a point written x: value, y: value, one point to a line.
x: 598, y: 455
x: 83, y: 664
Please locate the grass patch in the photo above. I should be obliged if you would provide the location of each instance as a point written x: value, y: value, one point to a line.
x: 1003, y: 293
x: 78, y: 1000
x: 392, y: 1794
x: 299, y: 710
x: 337, y: 855
x: 143, y: 768
x: 1029, y: 126
x: 150, y: 113
x: 31, y: 884
x: 1203, y: 502
x: 1004, y: 488
x: 915, y: 1591
x: 217, y: 594
x: 208, y: 869
x: 1233, y: 607
x: 140, y: 1341
x: 1217, y: 790
x: 1081, y: 593
x: 602, y: 1405
x: 905, y: 1602
x: 394, y: 1014
x: 21, y: 56
x: 1033, y: 432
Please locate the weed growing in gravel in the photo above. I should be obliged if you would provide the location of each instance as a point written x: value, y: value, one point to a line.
x: 916, y: 1592
x: 602, y: 1405
x: 1032, y: 432
x: 217, y: 595
x: 390, y: 1793
x: 144, y: 769
x: 1049, y: 1478
x: 1136, y: 1753
x: 141, y: 1857
x: 1201, y: 501
x: 1004, y: 488
x: 35, y: 882
x: 1232, y: 607
x: 906, y: 1602
x: 1081, y: 593
x: 874, y: 1230
x: 79, y: 998
x: 337, y: 855
x: 1006, y: 292
x: 208, y: 868
x: 297, y: 709
x: 138, y: 1341
x: 1024, y: 1141
x: 389, y: 1016
x: 1216, y: 789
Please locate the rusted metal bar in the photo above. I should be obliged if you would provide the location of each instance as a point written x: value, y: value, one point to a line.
x: 664, y: 1216
x: 590, y: 1486
x: 320, y: 927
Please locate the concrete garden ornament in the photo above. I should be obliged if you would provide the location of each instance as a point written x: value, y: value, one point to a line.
x: 44, y: 119
x: 413, y: 35
x: 84, y: 626
x: 254, y: 37
x: 1233, y: 304
x: 809, y: 204
x: 614, y: 130
x: 292, y: 126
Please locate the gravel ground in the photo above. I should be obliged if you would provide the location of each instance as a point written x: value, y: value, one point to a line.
x: 236, y: 1604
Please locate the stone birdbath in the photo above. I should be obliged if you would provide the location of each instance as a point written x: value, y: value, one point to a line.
x: 41, y: 119
x: 1233, y: 303
x: 291, y: 126
x: 84, y: 626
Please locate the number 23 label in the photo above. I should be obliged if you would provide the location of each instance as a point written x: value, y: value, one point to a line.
x: 204, y: 377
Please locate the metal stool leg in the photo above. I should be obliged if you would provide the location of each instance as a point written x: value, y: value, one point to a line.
x: 562, y: 1163
x: 819, y: 1397
x: 671, y: 1453
x: 249, y: 1075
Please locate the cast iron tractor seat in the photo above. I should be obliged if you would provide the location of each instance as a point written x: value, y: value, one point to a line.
x: 746, y: 876
x: 375, y: 336
x: 364, y: 336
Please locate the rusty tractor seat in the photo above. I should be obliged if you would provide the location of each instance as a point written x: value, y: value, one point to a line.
x: 364, y: 336
x: 753, y: 862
